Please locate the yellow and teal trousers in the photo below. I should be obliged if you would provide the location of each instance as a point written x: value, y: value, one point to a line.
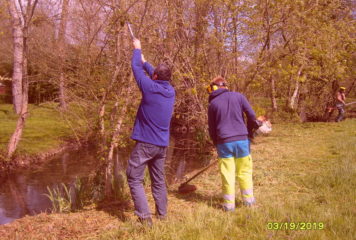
x: 235, y: 162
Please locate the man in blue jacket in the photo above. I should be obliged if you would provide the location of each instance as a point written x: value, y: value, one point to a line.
x: 151, y: 132
x: 230, y: 135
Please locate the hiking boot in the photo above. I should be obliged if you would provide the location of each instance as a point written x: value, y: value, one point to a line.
x: 146, y: 221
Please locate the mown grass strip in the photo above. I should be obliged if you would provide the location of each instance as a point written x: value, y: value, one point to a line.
x: 44, y: 129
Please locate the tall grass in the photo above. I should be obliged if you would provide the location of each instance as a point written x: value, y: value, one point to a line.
x: 73, y: 197
x: 60, y: 198
x: 303, y: 173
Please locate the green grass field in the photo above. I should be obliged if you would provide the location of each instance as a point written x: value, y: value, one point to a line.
x: 303, y: 173
x: 44, y: 129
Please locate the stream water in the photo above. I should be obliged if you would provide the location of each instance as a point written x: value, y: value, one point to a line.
x: 23, y: 192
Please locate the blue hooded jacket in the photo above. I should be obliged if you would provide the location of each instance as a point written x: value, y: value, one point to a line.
x: 226, y: 116
x: 155, y: 112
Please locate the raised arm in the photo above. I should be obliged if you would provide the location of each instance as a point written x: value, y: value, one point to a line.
x: 143, y: 81
x: 148, y: 68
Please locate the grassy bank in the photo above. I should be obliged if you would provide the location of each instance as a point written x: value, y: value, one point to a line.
x: 304, y: 173
x: 44, y: 129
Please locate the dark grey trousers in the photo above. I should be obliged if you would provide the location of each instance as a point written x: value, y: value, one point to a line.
x: 154, y: 157
x: 340, y: 108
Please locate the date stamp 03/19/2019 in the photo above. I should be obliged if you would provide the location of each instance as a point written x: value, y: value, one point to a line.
x: 295, y: 225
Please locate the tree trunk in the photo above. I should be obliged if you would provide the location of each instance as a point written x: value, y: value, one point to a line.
x: 17, y: 32
x: 268, y: 46
x: 61, y: 43
x: 120, y: 45
x: 114, y: 78
x: 16, y: 136
x: 301, y: 105
x: 102, y: 121
x: 114, y: 143
x: 293, y: 99
x: 201, y: 12
x: 62, y: 91
x: 237, y: 86
x: 173, y: 26
x: 273, y: 95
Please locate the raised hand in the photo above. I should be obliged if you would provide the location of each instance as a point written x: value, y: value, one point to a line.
x: 137, y: 43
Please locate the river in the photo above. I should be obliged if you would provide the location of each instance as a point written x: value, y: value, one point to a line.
x: 24, y: 192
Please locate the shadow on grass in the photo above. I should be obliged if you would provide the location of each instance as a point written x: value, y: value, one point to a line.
x: 115, y: 208
x: 213, y: 201
x: 5, y: 111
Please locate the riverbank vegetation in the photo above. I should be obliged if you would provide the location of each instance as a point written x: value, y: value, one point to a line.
x: 294, y: 53
x: 303, y: 173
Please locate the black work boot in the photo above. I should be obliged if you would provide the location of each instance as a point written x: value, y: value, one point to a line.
x: 161, y: 217
x: 147, y: 222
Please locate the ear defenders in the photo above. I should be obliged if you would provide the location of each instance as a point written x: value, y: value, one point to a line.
x: 212, y: 87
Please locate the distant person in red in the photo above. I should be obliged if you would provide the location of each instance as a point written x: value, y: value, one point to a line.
x: 340, y: 104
